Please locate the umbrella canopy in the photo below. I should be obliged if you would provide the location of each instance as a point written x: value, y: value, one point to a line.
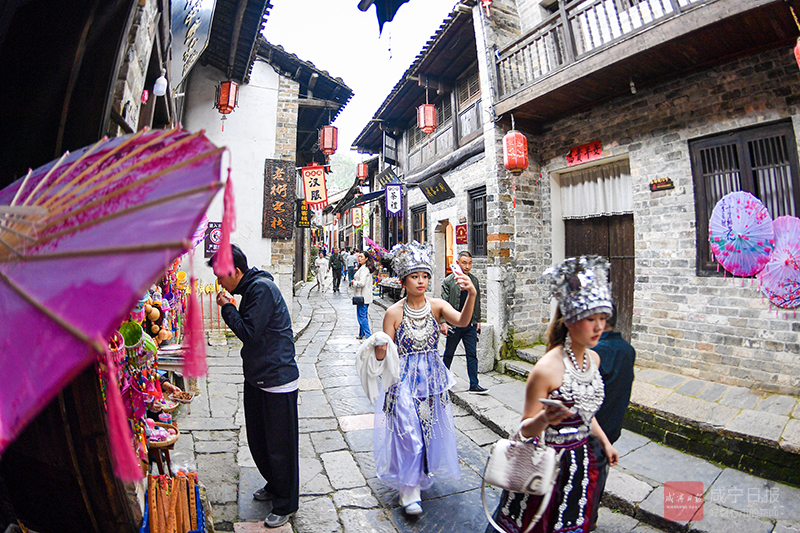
x: 780, y: 278
x: 740, y: 233
x: 81, y: 239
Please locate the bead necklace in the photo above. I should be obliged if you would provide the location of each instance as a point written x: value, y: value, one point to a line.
x: 568, y: 350
x: 421, y: 325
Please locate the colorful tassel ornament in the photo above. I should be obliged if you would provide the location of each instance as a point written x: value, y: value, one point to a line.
x: 194, y: 360
x: 126, y: 466
x: 223, y: 261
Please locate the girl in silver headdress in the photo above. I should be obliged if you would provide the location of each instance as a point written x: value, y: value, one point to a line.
x: 415, y: 438
x: 568, y: 373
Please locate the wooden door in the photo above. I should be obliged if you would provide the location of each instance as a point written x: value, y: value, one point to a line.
x: 613, y: 238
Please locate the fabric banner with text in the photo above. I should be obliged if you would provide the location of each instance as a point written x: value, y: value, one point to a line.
x: 316, y: 191
x: 394, y: 200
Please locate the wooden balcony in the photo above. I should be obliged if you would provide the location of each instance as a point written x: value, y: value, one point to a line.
x: 591, y: 51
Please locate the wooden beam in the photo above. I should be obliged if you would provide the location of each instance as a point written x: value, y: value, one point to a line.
x: 317, y: 102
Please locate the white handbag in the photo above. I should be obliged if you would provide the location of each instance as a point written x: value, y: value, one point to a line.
x: 520, y: 466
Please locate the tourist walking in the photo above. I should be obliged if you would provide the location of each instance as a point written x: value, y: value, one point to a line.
x: 322, y: 276
x: 263, y: 324
x: 568, y: 373
x: 362, y: 289
x: 415, y: 439
x: 617, y: 359
x: 336, y: 264
x: 469, y: 333
x: 351, y: 262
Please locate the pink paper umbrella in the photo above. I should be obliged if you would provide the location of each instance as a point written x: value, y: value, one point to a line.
x: 81, y: 239
x: 780, y: 278
x: 741, y: 235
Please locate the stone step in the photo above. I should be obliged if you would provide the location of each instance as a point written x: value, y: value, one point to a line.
x: 532, y: 354
x: 514, y: 367
x: 687, y: 432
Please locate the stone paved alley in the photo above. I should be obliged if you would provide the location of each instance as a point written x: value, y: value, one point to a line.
x: 339, y: 491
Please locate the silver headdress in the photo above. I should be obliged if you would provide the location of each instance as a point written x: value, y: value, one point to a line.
x: 580, y: 284
x: 412, y: 257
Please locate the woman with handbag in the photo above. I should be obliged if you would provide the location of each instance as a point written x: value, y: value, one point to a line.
x: 567, y: 378
x: 415, y: 438
x: 362, y: 293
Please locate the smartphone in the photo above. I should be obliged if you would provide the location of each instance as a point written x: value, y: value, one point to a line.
x: 554, y: 403
x: 456, y: 269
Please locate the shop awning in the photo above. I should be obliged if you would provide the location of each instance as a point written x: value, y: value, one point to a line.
x: 369, y: 197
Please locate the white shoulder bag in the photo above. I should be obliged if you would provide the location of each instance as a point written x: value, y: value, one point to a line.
x: 520, y: 466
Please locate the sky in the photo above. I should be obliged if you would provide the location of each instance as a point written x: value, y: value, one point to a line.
x: 337, y: 37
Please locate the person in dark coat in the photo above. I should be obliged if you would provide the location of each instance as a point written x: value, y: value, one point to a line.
x: 336, y: 265
x: 617, y: 358
x: 263, y: 324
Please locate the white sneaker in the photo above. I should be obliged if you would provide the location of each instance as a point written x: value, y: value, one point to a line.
x: 413, y: 509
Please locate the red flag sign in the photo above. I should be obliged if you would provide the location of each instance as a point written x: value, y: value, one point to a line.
x: 314, y: 186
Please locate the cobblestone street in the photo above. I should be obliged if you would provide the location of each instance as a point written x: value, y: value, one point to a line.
x: 339, y: 491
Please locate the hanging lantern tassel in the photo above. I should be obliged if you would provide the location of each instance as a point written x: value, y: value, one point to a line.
x: 194, y: 362
x: 223, y: 262
x: 126, y: 465
x: 223, y: 119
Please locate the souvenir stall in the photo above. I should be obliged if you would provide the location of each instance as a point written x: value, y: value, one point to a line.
x: 148, y: 356
x: 386, y: 283
x: 81, y: 372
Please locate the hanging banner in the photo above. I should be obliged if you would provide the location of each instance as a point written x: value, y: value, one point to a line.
x: 190, y: 29
x: 394, y: 200
x: 314, y: 186
x: 303, y: 219
x: 384, y: 178
x: 279, y: 199
x: 461, y: 234
x: 212, y: 239
x: 357, y: 217
x: 584, y: 153
x: 436, y: 189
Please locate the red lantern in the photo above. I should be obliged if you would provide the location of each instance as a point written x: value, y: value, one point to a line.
x: 227, y: 97
x: 362, y: 171
x: 426, y: 118
x: 328, y: 139
x: 338, y: 216
x: 797, y: 52
x: 515, y: 152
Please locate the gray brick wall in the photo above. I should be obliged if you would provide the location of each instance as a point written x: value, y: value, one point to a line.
x: 130, y: 80
x: 707, y: 327
x: 469, y: 175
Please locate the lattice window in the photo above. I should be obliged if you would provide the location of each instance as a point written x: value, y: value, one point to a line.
x: 761, y: 161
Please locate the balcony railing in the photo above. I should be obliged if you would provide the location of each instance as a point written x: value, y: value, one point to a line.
x: 578, y: 29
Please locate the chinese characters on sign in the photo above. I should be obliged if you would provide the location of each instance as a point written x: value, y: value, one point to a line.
x: 436, y: 190
x: 279, y: 199
x: 314, y: 187
x: 683, y: 500
x: 213, y: 238
x: 191, y: 25
x: 303, y: 215
x: 394, y: 200
x: 357, y: 217
x: 384, y: 178
x: 584, y: 153
x: 461, y: 234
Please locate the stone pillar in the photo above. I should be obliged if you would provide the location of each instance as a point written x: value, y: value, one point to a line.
x: 282, y: 257
x: 489, y: 34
